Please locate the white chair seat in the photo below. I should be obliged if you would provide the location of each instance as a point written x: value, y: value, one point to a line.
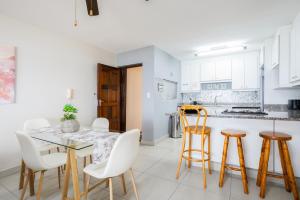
x: 96, y: 170
x: 85, y: 152
x: 54, y: 160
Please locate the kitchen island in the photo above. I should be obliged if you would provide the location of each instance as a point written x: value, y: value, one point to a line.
x: 252, y: 124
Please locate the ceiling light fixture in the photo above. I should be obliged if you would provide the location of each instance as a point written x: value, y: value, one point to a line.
x: 217, y: 50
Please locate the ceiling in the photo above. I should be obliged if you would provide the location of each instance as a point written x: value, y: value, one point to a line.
x: 177, y: 26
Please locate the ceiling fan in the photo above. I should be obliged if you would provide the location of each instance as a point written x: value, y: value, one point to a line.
x: 92, y: 9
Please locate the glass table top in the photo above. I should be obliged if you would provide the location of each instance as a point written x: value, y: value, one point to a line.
x: 54, y: 136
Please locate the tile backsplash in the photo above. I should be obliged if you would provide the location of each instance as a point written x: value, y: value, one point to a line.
x: 223, y: 97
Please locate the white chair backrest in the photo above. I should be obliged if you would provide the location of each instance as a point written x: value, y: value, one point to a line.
x: 123, y: 154
x: 35, y: 124
x: 101, y: 124
x: 30, y: 153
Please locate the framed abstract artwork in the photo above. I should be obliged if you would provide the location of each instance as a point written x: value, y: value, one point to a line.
x: 7, y: 74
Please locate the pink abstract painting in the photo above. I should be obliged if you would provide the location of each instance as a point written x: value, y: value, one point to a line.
x: 7, y: 74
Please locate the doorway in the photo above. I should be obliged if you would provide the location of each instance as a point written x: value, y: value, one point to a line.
x: 119, y: 94
x: 134, y: 85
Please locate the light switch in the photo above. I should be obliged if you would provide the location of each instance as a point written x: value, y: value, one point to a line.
x: 148, y: 95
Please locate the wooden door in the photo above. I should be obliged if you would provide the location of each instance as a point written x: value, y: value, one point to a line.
x: 109, y: 102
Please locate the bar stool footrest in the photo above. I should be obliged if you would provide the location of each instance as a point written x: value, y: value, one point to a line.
x: 232, y: 168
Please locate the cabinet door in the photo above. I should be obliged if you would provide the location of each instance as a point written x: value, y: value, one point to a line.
x: 275, y: 51
x: 251, y: 70
x: 293, y: 68
x: 208, y: 71
x: 238, y: 73
x: 185, y: 79
x: 297, y: 52
x: 223, y: 69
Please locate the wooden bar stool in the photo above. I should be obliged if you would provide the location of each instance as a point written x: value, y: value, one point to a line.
x: 190, y: 130
x: 238, y: 135
x: 287, y: 168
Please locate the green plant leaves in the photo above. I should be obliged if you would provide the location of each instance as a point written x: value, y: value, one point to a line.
x: 69, y: 111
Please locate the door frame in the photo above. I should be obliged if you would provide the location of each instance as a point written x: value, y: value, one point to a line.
x: 123, y: 91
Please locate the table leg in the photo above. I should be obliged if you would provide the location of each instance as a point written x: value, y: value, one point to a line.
x: 74, y: 170
x: 67, y: 177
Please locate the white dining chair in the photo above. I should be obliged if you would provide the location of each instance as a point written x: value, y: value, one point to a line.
x: 36, y: 125
x: 101, y: 124
x: 36, y: 162
x: 122, y: 156
x: 29, y: 127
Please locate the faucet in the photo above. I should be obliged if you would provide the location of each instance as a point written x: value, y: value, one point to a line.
x: 215, y: 101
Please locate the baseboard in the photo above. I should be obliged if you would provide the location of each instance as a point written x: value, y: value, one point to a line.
x: 155, y: 142
x: 8, y: 172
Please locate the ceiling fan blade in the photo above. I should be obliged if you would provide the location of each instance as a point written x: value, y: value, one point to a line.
x: 92, y: 7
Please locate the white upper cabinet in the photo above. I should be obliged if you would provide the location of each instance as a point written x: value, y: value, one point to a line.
x: 245, y: 74
x: 251, y: 61
x: 241, y: 69
x: 275, y: 51
x: 208, y: 71
x: 190, y: 76
x: 223, y: 69
x: 238, y: 72
x: 295, y: 52
x: 293, y: 68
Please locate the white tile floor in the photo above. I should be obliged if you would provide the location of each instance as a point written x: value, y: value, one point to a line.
x: 154, y: 171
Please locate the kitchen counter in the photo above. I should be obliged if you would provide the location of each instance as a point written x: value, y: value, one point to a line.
x: 286, y: 116
x: 252, y: 125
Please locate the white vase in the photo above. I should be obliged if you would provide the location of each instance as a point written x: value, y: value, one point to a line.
x: 70, y: 126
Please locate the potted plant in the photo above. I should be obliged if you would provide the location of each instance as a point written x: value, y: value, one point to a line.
x: 69, y: 124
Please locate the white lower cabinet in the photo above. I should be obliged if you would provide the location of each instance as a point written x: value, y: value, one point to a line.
x: 252, y: 142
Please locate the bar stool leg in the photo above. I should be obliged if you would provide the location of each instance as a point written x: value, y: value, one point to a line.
x: 208, y: 150
x: 264, y: 169
x: 224, y: 156
x: 283, y: 165
x: 261, y: 161
x: 181, y: 155
x: 242, y: 165
x: 290, y: 170
x: 190, y: 150
x: 203, y: 161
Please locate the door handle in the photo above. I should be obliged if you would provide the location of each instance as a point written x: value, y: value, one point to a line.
x: 99, y: 102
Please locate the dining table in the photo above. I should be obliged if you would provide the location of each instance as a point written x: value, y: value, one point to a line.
x: 101, y: 142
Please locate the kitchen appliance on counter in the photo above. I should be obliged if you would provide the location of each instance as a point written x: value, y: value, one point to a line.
x: 294, y: 104
x: 245, y: 111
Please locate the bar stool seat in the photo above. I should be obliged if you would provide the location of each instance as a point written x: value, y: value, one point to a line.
x: 233, y: 133
x: 238, y: 134
x: 286, y: 164
x: 275, y: 135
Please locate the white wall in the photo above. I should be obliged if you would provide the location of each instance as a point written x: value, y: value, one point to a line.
x: 166, y: 67
x: 146, y: 57
x: 275, y: 96
x: 47, y: 65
